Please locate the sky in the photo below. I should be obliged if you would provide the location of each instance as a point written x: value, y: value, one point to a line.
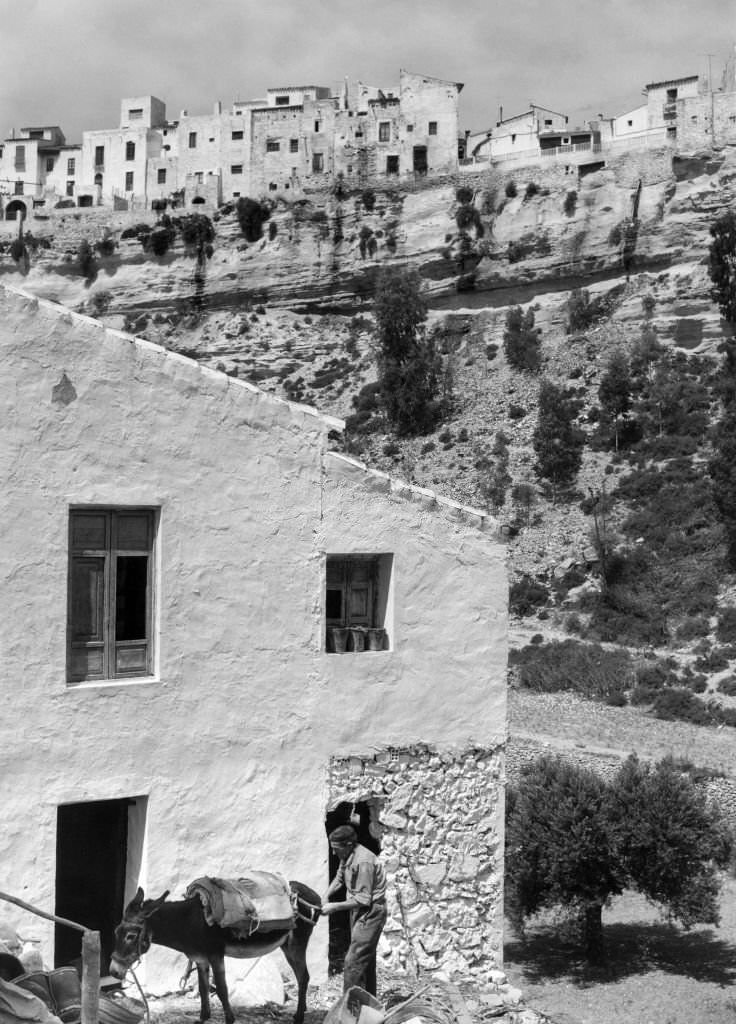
x: 70, y: 62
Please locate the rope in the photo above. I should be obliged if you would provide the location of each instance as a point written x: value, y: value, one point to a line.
x: 143, y: 997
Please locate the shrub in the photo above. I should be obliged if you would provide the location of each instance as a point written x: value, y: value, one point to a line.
x: 86, y: 260
x: 368, y: 198
x: 105, y: 246
x: 569, y: 665
x: 427, y: 448
x: 517, y: 412
x: 521, y: 339
x: 17, y: 249
x: 531, y: 190
x: 727, y: 686
x: 391, y: 448
x: 510, y: 189
x: 682, y: 705
x: 526, y: 595
x: 571, y: 202
x: 159, y: 241
x: 491, y: 351
x: 726, y: 627
x: 251, y: 216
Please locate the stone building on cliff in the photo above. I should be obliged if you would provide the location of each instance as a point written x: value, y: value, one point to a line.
x: 220, y: 638
x: 297, y: 138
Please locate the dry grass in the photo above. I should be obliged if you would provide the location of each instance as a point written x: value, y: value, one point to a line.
x: 656, y: 971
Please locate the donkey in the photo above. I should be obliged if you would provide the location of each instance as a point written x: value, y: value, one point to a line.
x: 181, y: 925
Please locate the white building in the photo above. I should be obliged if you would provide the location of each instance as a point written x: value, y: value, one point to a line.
x: 179, y: 549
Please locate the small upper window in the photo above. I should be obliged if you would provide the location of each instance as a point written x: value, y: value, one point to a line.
x: 99, y: 156
x: 161, y: 176
x: 384, y: 131
x: 192, y: 140
x: 237, y: 135
x: 135, y: 114
x: 357, y: 599
x: 273, y: 145
x: 49, y: 163
x: 130, y: 150
x: 128, y: 181
x: 432, y: 127
x: 548, y: 122
x: 109, y: 633
x: 18, y: 188
x: 236, y: 169
x: 629, y: 124
x: 317, y: 126
x: 70, y: 165
x: 282, y: 101
x: 293, y: 145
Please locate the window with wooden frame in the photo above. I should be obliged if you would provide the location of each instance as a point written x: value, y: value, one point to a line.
x: 432, y: 129
x: 110, y: 594
x: 384, y: 131
x: 130, y: 150
x: 357, y: 598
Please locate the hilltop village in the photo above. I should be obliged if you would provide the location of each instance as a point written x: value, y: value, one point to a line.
x: 307, y: 138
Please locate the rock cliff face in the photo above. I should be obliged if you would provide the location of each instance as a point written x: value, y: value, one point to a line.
x: 479, y: 240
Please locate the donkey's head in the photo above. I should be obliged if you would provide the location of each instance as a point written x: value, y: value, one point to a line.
x: 133, y: 934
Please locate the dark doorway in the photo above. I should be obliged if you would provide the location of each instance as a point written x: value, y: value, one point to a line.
x: 339, y: 924
x: 15, y: 210
x: 420, y: 159
x: 91, y: 856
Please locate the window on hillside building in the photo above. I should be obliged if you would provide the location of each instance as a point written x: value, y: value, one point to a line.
x: 18, y: 188
x: 135, y: 113
x: 237, y: 135
x: 432, y: 130
x: 629, y: 124
x: 236, y: 169
x: 70, y: 165
x: 282, y: 101
x: 318, y: 163
x: 49, y: 164
x: 130, y: 150
x: 70, y: 188
x: 20, y: 158
x: 357, y: 599
x: 100, y: 157
x: 293, y: 145
x: 110, y: 587
x: 548, y: 122
x: 384, y: 131
x: 35, y: 133
x: 128, y: 181
x: 192, y: 140
x: 392, y: 165
x: 273, y: 145
x: 161, y: 176
x: 317, y: 126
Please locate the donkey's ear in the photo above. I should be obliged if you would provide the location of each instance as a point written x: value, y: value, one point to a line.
x: 135, y: 903
x: 155, y: 904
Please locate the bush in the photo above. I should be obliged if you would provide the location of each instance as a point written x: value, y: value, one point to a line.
x: 571, y: 202
x: 569, y: 665
x: 159, y: 241
x: 517, y: 412
x: 727, y: 686
x: 521, y: 340
x: 510, y: 189
x: 726, y: 627
x: 368, y: 198
x: 251, y: 216
x: 531, y: 190
x: 391, y: 449
x: 105, y: 246
x: 526, y: 595
x: 680, y: 704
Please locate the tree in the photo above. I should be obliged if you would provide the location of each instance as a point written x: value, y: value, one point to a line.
x: 575, y: 841
x: 521, y: 340
x: 614, y: 391
x: 722, y: 265
x: 409, y: 366
x: 722, y: 470
x: 557, y: 441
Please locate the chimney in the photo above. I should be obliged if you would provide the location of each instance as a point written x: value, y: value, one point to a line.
x: 218, y: 107
x: 500, y: 114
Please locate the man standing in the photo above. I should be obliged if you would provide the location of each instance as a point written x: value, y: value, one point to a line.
x: 362, y: 875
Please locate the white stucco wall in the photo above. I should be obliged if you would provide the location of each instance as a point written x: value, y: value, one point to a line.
x: 232, y: 738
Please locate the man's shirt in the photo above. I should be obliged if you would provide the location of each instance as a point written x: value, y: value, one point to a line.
x: 363, y: 876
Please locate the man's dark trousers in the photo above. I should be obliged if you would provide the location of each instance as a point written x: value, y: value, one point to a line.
x: 366, y: 925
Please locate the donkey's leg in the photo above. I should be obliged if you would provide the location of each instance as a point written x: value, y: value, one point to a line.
x: 295, y: 951
x: 218, y: 969
x: 203, y: 977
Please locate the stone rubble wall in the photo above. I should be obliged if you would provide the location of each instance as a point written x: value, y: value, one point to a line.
x: 442, y: 852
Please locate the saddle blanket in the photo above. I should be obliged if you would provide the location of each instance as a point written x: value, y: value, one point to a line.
x: 258, y: 901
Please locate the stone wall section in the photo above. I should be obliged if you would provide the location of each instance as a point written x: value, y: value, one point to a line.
x: 442, y: 852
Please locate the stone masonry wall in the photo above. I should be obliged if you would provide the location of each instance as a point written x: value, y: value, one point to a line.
x: 442, y: 851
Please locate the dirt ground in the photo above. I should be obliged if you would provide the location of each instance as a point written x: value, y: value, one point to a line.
x: 656, y: 973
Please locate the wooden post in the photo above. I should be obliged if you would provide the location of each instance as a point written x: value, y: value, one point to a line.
x: 90, y: 977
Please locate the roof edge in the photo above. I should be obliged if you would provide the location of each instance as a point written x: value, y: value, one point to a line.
x: 377, y: 481
x: 307, y: 414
